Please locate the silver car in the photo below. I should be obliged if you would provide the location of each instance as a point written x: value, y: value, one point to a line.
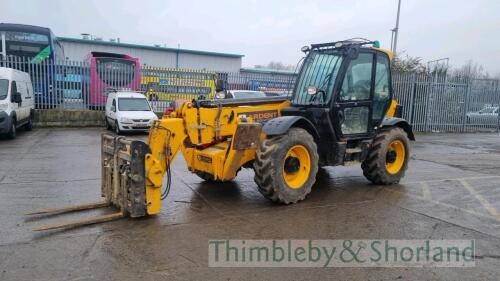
x: 487, y: 115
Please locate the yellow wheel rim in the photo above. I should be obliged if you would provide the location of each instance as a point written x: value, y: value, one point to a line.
x: 297, y: 166
x: 395, y: 158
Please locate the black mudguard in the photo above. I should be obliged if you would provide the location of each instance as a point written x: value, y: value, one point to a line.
x: 280, y: 125
x: 399, y: 122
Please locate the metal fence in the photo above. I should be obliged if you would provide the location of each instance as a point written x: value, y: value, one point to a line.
x: 431, y: 103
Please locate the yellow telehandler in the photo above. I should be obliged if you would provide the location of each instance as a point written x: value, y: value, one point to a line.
x: 341, y: 111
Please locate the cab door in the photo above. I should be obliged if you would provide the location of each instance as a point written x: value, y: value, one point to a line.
x: 352, y: 109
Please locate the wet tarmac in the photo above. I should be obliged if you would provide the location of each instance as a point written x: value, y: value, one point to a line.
x: 451, y: 191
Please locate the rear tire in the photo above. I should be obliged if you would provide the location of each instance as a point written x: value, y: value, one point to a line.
x: 286, y: 166
x: 29, y: 126
x: 388, y: 157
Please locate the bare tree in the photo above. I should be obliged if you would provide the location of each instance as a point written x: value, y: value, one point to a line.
x: 276, y: 66
x: 471, y: 70
x: 405, y: 63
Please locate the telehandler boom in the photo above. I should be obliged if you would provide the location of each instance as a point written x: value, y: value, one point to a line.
x: 341, y: 111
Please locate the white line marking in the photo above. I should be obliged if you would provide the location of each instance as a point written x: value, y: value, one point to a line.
x: 481, y: 199
x: 426, y: 191
x: 440, y: 203
x: 453, y: 179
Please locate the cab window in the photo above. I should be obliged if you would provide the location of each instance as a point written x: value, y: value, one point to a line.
x: 357, y: 81
x: 13, y: 90
x: 4, y: 88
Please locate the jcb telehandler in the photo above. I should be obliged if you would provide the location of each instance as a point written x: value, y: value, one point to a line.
x: 341, y: 111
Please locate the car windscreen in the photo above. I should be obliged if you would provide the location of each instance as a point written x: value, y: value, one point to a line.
x: 487, y: 110
x: 248, y: 95
x: 133, y: 104
x: 4, y: 88
x: 320, y: 70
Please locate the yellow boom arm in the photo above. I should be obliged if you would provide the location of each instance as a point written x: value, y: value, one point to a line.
x: 214, y: 141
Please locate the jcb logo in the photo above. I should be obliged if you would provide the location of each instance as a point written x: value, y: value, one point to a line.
x: 261, y: 116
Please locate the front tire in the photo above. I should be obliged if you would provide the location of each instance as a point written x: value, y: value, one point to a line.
x: 117, y: 128
x: 12, y: 131
x: 286, y: 166
x: 388, y: 157
x: 108, y: 126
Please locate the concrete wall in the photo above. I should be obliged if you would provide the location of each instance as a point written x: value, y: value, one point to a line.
x: 163, y: 57
x: 68, y: 118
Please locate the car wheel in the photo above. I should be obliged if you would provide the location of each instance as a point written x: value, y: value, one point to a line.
x: 29, y: 126
x: 108, y: 126
x: 117, y: 128
x: 12, y: 132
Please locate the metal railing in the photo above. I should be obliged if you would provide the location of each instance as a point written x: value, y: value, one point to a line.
x: 431, y: 103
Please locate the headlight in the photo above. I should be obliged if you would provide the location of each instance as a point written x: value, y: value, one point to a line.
x: 4, y: 106
x: 220, y: 95
x: 125, y: 120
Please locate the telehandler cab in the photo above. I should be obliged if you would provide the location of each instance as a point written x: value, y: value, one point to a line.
x: 341, y: 111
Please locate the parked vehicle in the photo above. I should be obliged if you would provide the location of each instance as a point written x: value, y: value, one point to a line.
x: 320, y: 125
x: 110, y: 71
x: 272, y: 88
x: 34, y: 47
x: 16, y: 101
x: 128, y: 111
x: 168, y: 85
x: 244, y: 94
x: 486, y: 115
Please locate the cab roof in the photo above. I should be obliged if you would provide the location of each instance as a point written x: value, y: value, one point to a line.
x: 359, y: 42
x: 387, y: 52
x: 8, y: 73
x: 124, y: 94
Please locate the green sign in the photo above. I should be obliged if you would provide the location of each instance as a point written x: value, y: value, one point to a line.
x: 45, y: 53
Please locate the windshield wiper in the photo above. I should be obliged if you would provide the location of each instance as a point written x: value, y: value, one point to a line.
x: 326, y: 81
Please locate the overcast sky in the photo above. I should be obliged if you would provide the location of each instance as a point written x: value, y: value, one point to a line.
x: 270, y: 30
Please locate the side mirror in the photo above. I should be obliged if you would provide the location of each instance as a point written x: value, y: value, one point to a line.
x: 113, y: 108
x: 17, y: 98
x: 219, y: 86
x: 312, y: 90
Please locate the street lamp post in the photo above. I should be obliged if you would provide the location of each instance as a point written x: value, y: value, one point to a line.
x: 394, y: 42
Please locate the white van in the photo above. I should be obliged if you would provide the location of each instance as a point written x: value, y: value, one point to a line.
x: 17, y: 105
x: 128, y: 111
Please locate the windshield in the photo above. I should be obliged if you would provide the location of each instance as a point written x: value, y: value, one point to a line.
x: 320, y: 70
x: 487, y: 110
x: 26, y: 44
x: 248, y: 95
x: 4, y: 88
x: 133, y: 104
x: 115, y: 72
